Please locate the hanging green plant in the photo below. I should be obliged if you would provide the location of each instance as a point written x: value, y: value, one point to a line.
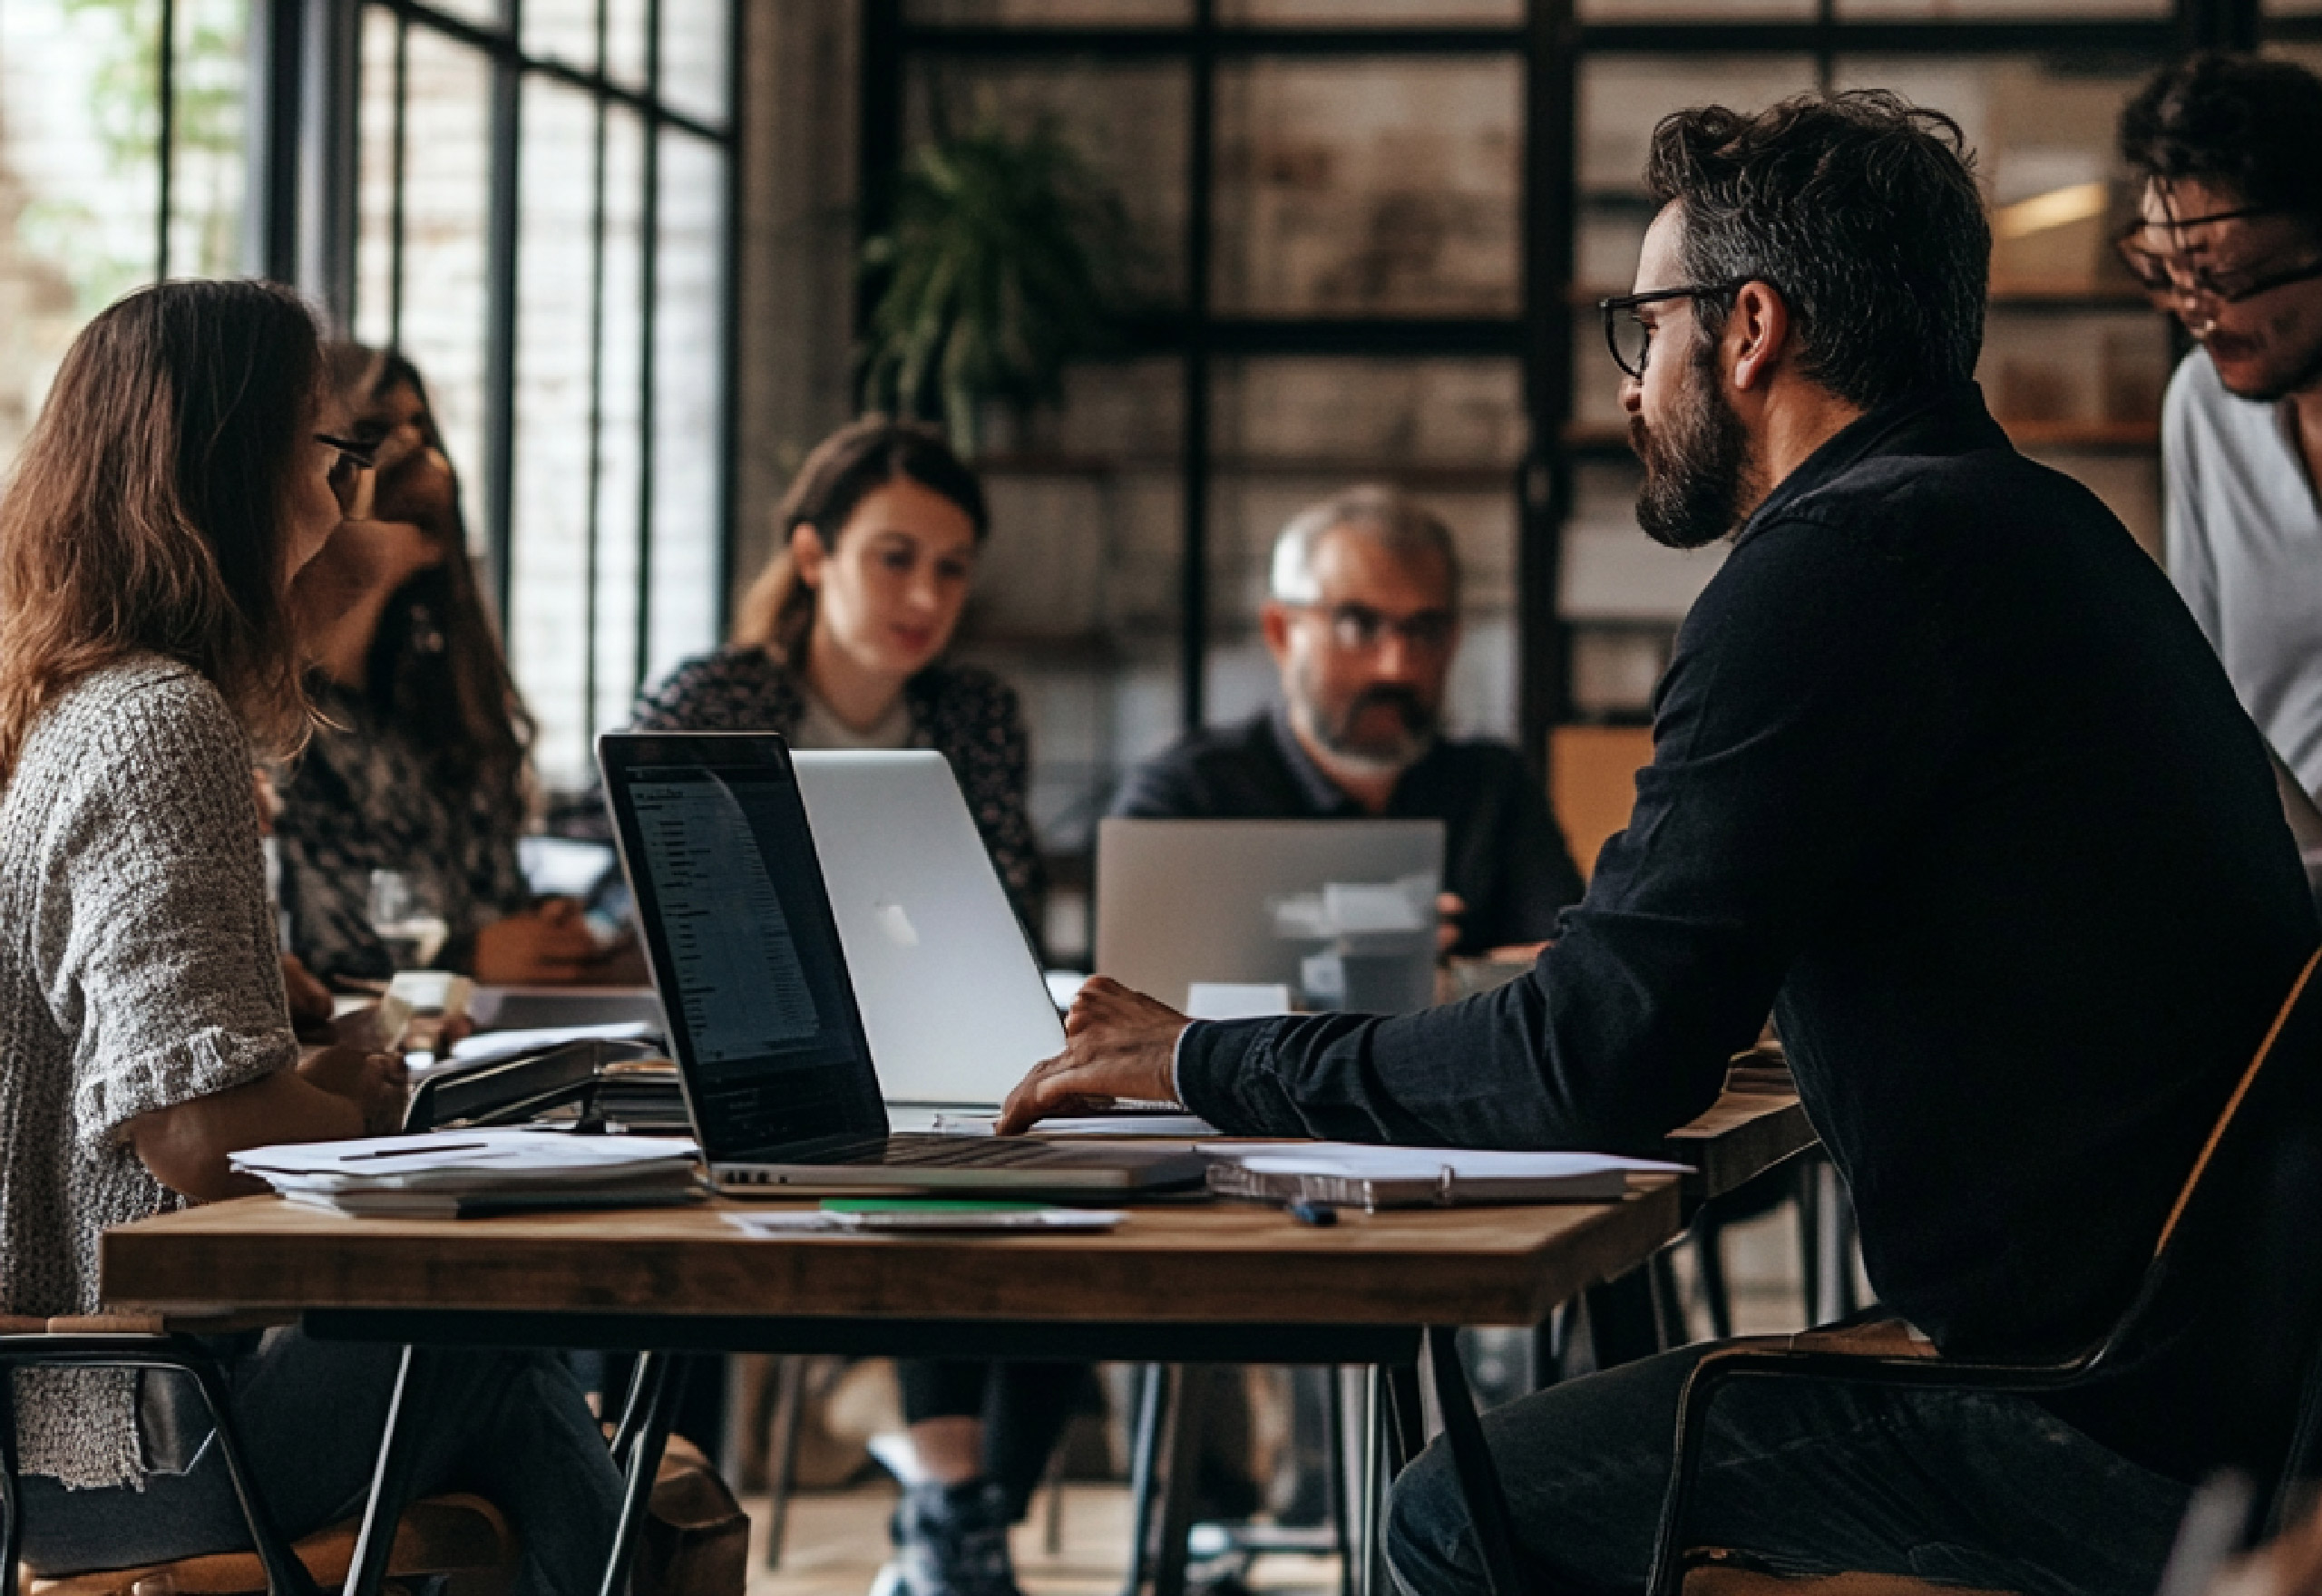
x: 1001, y: 266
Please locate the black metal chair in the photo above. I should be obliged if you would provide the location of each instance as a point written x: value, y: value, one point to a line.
x: 2222, y: 1200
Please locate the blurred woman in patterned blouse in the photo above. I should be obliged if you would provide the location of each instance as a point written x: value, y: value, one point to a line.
x: 839, y: 643
x: 419, y: 767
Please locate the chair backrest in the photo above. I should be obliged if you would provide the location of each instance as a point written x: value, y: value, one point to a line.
x: 2295, y: 1034
x: 2232, y: 1301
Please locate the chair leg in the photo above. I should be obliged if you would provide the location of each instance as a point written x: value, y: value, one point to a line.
x: 1052, y: 1527
x: 1810, y: 1236
x: 12, y: 1523
x: 652, y: 1404
x: 1709, y: 1261
x: 782, y: 1451
x: 285, y: 1574
x: 1180, y: 1480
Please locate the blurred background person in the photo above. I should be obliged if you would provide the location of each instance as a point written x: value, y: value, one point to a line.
x: 418, y: 766
x: 839, y: 645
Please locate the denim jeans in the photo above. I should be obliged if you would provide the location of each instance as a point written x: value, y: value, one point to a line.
x: 510, y: 1427
x: 1962, y: 1488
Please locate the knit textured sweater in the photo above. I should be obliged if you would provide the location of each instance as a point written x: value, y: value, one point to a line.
x: 138, y: 970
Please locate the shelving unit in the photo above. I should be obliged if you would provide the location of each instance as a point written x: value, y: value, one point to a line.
x: 1197, y: 110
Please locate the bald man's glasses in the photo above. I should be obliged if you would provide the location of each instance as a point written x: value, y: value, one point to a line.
x: 1358, y: 629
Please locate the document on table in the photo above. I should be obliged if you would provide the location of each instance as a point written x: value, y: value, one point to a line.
x: 913, y: 1216
x: 1374, y: 1176
x: 496, y: 1045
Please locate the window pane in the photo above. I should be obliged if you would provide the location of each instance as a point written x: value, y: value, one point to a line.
x: 79, y: 112
x: 1961, y: 10
x: 375, y: 181
x: 1076, y: 592
x: 2042, y: 132
x: 620, y: 475
x: 488, y: 13
x: 1078, y: 13
x: 1620, y: 10
x: 206, y: 146
x: 1129, y: 123
x: 548, y: 634
x: 1622, y: 97
x: 1368, y: 187
x: 695, y: 39
x: 625, y: 40
x: 446, y: 195
x: 563, y: 30
x: 1359, y: 12
x: 687, y: 410
x: 1291, y: 431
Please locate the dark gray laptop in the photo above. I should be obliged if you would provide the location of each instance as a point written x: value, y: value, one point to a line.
x: 763, y: 1024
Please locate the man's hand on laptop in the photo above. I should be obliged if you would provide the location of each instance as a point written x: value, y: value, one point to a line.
x: 1119, y: 1045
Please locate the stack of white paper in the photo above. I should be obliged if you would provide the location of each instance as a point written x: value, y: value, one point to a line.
x: 463, y: 1173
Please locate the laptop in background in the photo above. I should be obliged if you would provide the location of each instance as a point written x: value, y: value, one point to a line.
x: 1180, y: 902
x: 952, y: 996
x: 763, y: 1024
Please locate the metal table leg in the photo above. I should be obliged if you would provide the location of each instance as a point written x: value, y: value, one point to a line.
x: 1152, y: 1404
x: 390, y: 1479
x: 1479, y: 1476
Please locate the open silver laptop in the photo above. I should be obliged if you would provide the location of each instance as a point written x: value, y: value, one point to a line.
x: 1180, y: 902
x: 952, y: 996
x: 763, y: 1024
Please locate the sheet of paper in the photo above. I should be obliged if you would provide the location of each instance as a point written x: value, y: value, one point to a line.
x: 1363, y: 1161
x: 483, y: 1155
x: 492, y: 1045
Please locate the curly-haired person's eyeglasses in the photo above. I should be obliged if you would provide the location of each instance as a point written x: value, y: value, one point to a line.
x: 2168, y: 275
x: 1630, y: 337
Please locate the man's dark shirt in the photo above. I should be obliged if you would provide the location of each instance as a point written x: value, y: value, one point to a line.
x: 1503, y: 853
x: 1944, y: 774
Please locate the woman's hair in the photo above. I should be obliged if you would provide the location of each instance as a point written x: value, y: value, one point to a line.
x: 778, y: 611
x: 436, y: 672
x: 149, y: 506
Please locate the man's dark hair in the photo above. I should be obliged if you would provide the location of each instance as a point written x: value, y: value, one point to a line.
x: 1860, y: 209
x: 2248, y: 124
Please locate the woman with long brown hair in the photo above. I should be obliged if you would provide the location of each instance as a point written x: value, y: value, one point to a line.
x: 179, y: 479
x: 418, y: 767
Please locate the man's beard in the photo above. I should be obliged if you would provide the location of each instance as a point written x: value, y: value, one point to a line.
x: 2308, y: 376
x: 1342, y: 736
x: 1695, y: 466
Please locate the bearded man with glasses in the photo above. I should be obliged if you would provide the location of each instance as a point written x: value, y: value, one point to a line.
x: 2228, y: 239
x: 1362, y: 621
x: 1945, y: 776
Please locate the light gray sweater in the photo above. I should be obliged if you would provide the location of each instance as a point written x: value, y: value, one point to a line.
x: 138, y: 969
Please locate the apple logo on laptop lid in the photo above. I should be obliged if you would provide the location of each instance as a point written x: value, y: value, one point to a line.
x: 896, y: 924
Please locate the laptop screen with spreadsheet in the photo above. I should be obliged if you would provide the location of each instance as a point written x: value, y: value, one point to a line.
x: 744, y: 948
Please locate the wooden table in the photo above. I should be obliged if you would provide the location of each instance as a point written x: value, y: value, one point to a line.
x: 1208, y: 1283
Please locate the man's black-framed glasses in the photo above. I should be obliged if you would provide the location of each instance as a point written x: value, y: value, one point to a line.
x: 2168, y: 275
x: 346, y: 471
x: 1630, y: 336
x: 1359, y: 629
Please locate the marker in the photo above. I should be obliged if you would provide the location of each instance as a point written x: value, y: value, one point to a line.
x: 1308, y: 1212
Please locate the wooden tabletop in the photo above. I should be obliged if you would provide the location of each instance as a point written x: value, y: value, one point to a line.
x: 1220, y: 1263
x: 1744, y: 1134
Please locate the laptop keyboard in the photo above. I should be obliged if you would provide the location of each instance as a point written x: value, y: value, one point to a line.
x: 928, y: 1152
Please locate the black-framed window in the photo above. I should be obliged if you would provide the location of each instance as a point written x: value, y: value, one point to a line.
x: 544, y: 222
